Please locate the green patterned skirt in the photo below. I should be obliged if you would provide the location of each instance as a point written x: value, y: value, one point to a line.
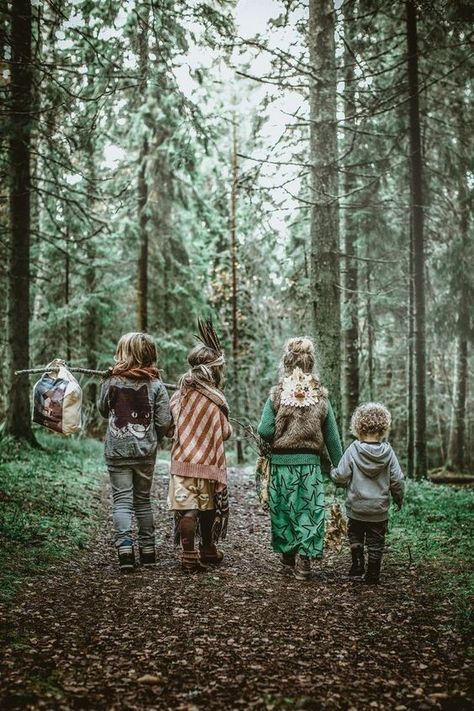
x: 296, y: 504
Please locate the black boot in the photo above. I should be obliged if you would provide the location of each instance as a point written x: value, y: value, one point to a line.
x: 148, y: 556
x: 288, y: 559
x: 357, y: 569
x: 372, y: 575
x: 126, y: 556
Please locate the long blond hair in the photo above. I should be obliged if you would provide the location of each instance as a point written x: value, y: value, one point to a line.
x: 136, y: 353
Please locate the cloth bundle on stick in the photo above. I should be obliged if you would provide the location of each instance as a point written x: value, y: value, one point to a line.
x: 57, y: 399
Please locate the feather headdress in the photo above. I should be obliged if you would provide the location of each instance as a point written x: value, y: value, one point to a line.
x: 205, y: 374
x: 208, y: 336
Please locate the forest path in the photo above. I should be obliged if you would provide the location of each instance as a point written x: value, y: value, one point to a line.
x: 245, y: 636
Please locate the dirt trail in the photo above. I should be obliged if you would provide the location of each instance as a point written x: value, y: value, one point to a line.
x: 245, y: 636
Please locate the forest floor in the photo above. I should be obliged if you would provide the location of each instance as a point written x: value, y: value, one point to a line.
x: 244, y: 636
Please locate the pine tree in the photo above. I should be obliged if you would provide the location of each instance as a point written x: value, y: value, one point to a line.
x: 17, y: 421
x: 325, y: 277
x: 416, y: 161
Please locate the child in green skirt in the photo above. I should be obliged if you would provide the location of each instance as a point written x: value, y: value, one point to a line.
x: 298, y: 421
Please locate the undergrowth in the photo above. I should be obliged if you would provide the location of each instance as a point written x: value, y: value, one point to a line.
x: 435, y: 529
x: 49, y: 503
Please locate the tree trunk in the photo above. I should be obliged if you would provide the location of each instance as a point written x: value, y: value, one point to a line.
x: 91, y: 321
x: 18, y: 411
x: 324, y: 261
x: 418, y: 242
x: 142, y: 290
x: 234, y: 263
x: 370, y: 332
x: 457, y: 435
x: 457, y: 446
x: 351, y: 306
x: 67, y: 293
x: 410, y: 371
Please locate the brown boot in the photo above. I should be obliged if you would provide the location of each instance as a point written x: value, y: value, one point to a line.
x: 302, y: 569
x: 191, y: 563
x: 211, y: 555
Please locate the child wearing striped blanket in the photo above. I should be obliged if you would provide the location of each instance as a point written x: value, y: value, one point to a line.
x: 198, y: 473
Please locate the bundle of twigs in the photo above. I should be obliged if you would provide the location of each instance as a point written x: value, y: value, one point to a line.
x: 336, y: 528
x: 253, y: 439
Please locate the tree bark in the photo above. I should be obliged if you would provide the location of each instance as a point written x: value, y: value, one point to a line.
x: 142, y: 188
x: 410, y: 364
x: 234, y: 297
x: 91, y: 321
x: 457, y: 435
x: 416, y: 173
x: 324, y: 231
x: 351, y: 299
x: 18, y: 422
x: 67, y: 276
x: 457, y: 447
x: 370, y: 332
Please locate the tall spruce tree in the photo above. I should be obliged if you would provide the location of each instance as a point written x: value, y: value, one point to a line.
x: 21, y: 124
x: 324, y: 230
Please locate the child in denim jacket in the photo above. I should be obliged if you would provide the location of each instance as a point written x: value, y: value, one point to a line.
x: 136, y: 403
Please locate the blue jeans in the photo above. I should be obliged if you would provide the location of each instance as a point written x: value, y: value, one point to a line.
x: 131, y: 485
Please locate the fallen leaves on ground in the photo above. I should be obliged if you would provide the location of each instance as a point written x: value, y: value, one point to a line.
x: 246, y: 635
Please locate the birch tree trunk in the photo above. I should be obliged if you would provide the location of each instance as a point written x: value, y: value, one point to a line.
x: 18, y: 410
x: 324, y: 260
x: 416, y: 172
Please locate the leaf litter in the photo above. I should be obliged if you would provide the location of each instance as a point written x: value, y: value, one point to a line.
x: 244, y: 636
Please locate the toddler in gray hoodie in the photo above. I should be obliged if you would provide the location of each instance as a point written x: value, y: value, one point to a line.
x: 370, y: 470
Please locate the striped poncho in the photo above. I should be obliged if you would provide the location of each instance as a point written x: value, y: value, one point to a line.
x: 200, y: 430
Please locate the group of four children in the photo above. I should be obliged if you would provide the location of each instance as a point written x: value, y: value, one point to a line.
x: 297, y: 421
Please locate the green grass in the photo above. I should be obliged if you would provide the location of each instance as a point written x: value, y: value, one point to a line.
x: 436, y: 529
x: 49, y: 504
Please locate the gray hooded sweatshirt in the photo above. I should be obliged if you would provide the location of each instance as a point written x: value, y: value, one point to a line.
x: 371, y: 472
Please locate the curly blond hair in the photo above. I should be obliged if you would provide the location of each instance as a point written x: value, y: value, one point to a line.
x: 371, y: 418
x: 298, y: 353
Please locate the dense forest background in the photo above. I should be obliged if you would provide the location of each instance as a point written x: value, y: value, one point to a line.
x: 288, y: 166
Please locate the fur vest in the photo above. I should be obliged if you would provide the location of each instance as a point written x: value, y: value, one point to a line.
x: 299, y: 428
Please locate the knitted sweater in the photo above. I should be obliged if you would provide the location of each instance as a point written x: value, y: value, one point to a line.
x: 329, y: 431
x: 199, y: 431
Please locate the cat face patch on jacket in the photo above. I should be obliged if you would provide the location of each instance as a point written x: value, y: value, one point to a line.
x: 299, y: 389
x: 130, y: 411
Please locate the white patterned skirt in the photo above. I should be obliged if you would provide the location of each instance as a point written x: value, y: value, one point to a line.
x: 188, y: 493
